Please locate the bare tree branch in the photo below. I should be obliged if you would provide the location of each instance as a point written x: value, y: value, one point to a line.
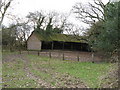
x: 90, y: 13
x: 4, y: 6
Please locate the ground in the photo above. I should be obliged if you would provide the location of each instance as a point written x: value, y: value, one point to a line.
x: 33, y: 71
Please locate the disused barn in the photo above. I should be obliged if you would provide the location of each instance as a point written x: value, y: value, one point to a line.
x: 37, y: 41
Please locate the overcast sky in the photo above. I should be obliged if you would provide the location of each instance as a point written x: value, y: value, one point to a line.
x: 22, y: 7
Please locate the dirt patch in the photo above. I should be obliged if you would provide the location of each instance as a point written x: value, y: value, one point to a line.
x: 41, y: 83
x: 62, y: 80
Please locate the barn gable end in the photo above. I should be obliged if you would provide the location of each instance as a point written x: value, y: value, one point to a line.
x: 33, y: 43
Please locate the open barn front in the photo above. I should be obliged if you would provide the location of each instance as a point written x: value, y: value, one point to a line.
x: 60, y: 45
x: 46, y: 45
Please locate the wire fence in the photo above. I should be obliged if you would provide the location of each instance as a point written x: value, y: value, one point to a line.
x: 68, y: 55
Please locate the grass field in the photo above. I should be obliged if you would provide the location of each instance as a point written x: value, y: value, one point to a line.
x: 32, y: 71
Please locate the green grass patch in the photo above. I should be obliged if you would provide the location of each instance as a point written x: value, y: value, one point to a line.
x: 37, y: 67
x: 14, y: 75
x: 4, y: 52
x: 88, y: 72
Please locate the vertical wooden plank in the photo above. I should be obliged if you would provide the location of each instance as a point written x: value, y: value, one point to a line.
x: 52, y: 45
x: 81, y: 46
x: 63, y: 46
x: 71, y: 46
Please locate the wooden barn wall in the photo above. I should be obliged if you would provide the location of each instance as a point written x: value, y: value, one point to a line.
x: 33, y: 43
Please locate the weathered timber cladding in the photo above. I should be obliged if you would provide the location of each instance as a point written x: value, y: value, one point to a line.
x: 33, y: 43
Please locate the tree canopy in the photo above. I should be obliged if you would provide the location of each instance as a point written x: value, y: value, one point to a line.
x: 104, y: 20
x: 104, y: 36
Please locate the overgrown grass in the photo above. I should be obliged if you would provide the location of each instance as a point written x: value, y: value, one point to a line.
x: 7, y: 52
x: 88, y: 72
x: 14, y: 75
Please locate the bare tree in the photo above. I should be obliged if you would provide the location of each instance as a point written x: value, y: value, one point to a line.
x: 43, y: 21
x: 36, y: 18
x: 4, y: 5
x: 91, y: 12
x: 57, y: 20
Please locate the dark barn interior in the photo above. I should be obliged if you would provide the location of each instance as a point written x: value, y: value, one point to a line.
x: 59, y: 45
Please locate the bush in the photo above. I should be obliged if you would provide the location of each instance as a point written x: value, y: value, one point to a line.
x: 110, y: 80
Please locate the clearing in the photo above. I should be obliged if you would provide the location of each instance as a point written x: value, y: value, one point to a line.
x: 33, y: 71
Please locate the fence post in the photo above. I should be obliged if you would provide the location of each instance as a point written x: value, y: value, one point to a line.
x: 78, y: 58
x: 38, y: 53
x: 50, y: 54
x: 63, y: 57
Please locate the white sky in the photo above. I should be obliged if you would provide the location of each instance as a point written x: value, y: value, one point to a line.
x: 22, y: 7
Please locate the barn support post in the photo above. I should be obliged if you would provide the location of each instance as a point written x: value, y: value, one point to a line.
x: 52, y: 45
x: 63, y: 46
x: 81, y: 46
x: 71, y: 46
